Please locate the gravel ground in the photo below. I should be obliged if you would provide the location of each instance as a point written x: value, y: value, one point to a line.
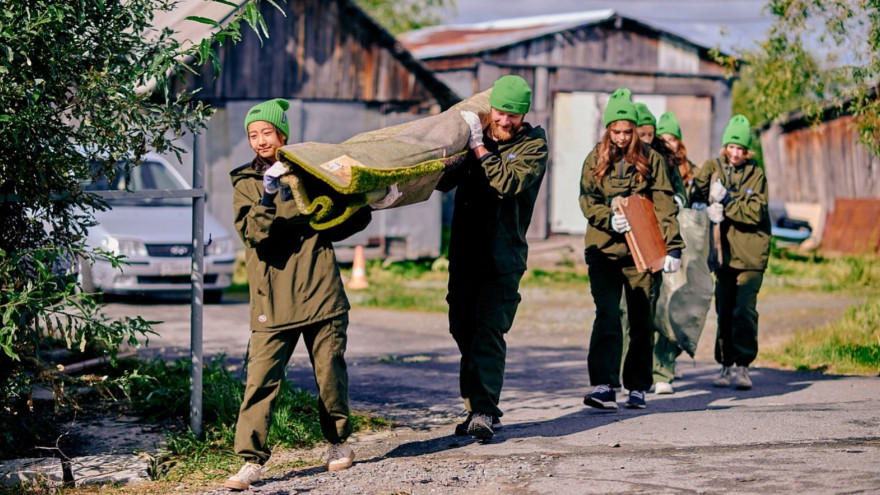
x: 794, y: 432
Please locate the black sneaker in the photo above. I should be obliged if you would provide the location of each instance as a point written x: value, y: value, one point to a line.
x: 636, y: 400
x: 481, y: 426
x: 461, y: 429
x: 602, y: 397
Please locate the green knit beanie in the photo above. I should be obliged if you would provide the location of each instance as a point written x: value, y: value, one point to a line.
x: 738, y: 131
x: 271, y: 111
x: 511, y: 94
x: 668, y: 125
x: 620, y: 107
x: 645, y: 117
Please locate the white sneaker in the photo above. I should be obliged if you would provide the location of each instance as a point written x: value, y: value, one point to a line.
x: 663, y: 388
x: 246, y: 476
x: 339, y: 456
x: 742, y: 380
x: 723, y: 379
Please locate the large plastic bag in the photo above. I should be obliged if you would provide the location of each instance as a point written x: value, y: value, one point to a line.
x: 685, y: 295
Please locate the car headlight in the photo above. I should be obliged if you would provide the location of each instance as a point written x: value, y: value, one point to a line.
x: 224, y: 245
x: 124, y: 247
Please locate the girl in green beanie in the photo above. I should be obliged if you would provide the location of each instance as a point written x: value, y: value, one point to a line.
x: 621, y: 165
x: 295, y: 291
x: 669, y: 131
x: 736, y: 187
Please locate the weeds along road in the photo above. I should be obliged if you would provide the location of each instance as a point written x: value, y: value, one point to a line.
x: 793, y: 432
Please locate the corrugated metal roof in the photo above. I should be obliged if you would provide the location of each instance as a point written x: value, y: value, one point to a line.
x: 471, y: 39
x: 466, y: 39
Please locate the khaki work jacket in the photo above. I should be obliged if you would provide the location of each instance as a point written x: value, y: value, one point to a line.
x: 292, y: 272
x: 745, y: 230
x: 494, y: 203
x: 623, y: 180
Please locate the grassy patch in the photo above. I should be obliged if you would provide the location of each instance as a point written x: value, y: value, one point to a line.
x: 556, y: 279
x: 421, y: 285
x: 410, y: 285
x: 160, y: 392
x: 813, y: 272
x: 848, y: 346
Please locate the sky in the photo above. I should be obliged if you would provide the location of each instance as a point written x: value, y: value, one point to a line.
x: 731, y: 25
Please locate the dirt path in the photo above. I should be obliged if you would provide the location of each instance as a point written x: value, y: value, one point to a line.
x: 403, y: 365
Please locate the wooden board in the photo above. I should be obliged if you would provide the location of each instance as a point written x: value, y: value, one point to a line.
x: 644, y: 239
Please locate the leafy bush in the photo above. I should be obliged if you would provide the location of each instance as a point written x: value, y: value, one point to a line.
x: 81, y: 83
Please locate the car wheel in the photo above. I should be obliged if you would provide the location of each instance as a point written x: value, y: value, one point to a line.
x: 213, y: 296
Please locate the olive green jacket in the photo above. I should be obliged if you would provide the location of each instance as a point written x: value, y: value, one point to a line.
x: 745, y: 230
x: 689, y: 187
x: 678, y: 187
x: 292, y: 273
x: 622, y: 180
x: 494, y: 203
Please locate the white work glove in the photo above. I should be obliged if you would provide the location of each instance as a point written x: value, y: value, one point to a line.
x: 671, y: 264
x: 476, y: 127
x: 390, y: 197
x: 619, y: 223
x: 678, y: 201
x: 272, y: 177
x: 717, y: 191
x: 716, y: 212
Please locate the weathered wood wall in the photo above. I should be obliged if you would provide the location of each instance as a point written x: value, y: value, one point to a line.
x: 321, y: 50
x: 819, y: 165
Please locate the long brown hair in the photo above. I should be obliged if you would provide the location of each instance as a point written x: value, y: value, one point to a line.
x: 610, y: 153
x: 684, y: 165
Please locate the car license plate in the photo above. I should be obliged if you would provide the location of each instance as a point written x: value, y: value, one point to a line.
x: 174, y: 268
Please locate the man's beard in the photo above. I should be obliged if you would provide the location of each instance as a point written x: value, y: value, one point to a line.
x: 499, y: 134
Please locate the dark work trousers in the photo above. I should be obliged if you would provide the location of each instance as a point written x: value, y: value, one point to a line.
x: 267, y: 365
x: 481, y: 311
x: 665, y: 350
x: 609, y: 280
x: 736, y: 304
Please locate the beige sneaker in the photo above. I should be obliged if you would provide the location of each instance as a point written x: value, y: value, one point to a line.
x: 246, y: 476
x: 339, y: 456
x: 663, y: 388
x: 723, y: 379
x: 742, y: 380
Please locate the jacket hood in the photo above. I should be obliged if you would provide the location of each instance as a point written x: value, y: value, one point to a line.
x: 243, y: 172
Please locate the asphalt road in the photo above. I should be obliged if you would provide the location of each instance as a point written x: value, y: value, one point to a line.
x: 794, y: 432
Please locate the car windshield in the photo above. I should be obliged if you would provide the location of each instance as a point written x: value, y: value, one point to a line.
x: 148, y: 175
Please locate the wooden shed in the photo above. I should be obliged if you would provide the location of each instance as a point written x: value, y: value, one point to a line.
x: 343, y: 75
x: 573, y: 63
x: 818, y: 164
x: 813, y: 171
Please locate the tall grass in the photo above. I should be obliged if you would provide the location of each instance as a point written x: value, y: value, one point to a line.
x: 848, y: 346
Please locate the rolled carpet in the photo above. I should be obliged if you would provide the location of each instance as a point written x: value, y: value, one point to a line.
x: 393, y: 166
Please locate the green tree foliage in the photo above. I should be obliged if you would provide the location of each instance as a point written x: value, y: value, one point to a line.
x: 818, y: 54
x: 81, y: 82
x: 400, y: 16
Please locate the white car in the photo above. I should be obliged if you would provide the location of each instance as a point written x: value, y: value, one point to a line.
x: 155, y: 236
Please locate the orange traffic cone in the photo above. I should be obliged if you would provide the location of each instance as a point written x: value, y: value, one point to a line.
x: 358, y: 278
